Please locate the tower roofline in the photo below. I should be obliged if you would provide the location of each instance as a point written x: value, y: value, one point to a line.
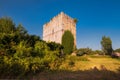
x: 64, y: 14
x: 60, y: 14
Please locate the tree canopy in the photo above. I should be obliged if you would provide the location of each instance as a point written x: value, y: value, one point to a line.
x: 106, y: 43
x: 68, y: 42
x: 6, y: 25
x: 22, y: 53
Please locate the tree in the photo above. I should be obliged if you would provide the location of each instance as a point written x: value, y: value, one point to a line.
x: 21, y: 30
x: 31, y: 39
x: 40, y: 48
x: 68, y: 42
x: 22, y: 50
x: 117, y: 50
x: 106, y: 45
x: 6, y: 25
x: 22, y: 53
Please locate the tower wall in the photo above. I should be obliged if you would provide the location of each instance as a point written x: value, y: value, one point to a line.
x: 69, y: 24
x: 53, y: 30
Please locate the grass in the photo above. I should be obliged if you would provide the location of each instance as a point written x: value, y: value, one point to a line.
x: 88, y: 67
x: 89, y: 62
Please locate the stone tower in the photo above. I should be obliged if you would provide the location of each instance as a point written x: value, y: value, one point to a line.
x: 53, y: 30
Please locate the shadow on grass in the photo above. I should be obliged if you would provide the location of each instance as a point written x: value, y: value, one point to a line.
x: 92, y: 74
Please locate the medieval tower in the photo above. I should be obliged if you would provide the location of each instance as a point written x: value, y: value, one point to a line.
x: 53, y: 30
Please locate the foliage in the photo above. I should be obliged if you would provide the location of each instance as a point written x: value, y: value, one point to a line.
x: 68, y: 42
x: 6, y: 25
x: 75, y: 20
x: 22, y: 53
x: 106, y: 45
x: 21, y: 30
x: 83, y: 51
x: 98, y: 52
x: 54, y: 46
x: 117, y: 50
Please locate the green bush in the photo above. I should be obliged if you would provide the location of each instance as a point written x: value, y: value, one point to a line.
x: 68, y: 42
x: 16, y: 68
x: 53, y: 59
x: 83, y: 51
x: 21, y: 53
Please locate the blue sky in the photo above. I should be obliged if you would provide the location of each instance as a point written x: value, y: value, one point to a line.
x: 95, y: 17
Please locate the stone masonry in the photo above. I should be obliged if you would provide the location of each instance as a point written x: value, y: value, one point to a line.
x: 53, y: 30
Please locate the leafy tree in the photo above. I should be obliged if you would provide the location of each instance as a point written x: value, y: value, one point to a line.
x: 22, y: 53
x: 21, y: 33
x: 106, y: 45
x: 6, y: 25
x: 21, y: 30
x: 23, y: 50
x: 7, y: 42
x: 68, y: 42
x: 32, y: 39
x: 117, y: 50
x: 40, y: 49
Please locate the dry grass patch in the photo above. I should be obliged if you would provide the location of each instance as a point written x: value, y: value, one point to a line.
x: 75, y: 63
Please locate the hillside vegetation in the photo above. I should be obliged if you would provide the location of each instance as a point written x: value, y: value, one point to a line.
x: 87, y: 62
x: 22, y: 53
x: 25, y: 56
x: 83, y: 68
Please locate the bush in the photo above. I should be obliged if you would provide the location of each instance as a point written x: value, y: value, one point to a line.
x: 21, y: 53
x: 53, y: 59
x: 68, y: 42
x: 16, y: 69
x: 83, y: 51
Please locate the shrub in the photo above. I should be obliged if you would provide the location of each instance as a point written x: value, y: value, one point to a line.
x: 21, y: 53
x: 53, y: 59
x: 68, y: 42
x: 83, y: 51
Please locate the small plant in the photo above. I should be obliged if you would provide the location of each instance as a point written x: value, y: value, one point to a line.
x: 75, y: 20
